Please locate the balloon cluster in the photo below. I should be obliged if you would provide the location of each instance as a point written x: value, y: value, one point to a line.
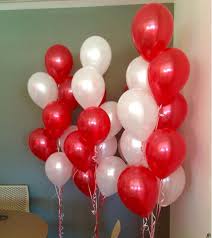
x: 76, y: 150
x: 52, y: 92
x: 150, y: 111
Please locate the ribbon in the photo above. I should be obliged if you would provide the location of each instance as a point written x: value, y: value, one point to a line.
x: 95, y: 211
x: 154, y: 217
x: 97, y: 200
x: 59, y: 192
x: 144, y: 227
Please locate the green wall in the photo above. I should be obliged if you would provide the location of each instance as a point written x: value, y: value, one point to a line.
x: 24, y: 37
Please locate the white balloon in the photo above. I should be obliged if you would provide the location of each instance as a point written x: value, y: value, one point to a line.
x: 172, y: 187
x: 65, y: 134
x: 132, y: 150
x: 137, y: 74
x: 138, y: 113
x: 107, y: 148
x: 96, y: 52
x: 58, y: 169
x: 88, y: 87
x: 107, y: 174
x: 42, y: 89
x: 110, y: 108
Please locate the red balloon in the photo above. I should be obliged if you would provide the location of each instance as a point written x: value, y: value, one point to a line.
x: 59, y: 62
x: 85, y: 181
x: 41, y: 145
x: 104, y: 98
x: 167, y: 74
x: 66, y: 94
x: 173, y: 114
x: 56, y: 118
x: 79, y: 150
x: 152, y: 30
x: 165, y: 152
x: 138, y: 189
x: 95, y: 123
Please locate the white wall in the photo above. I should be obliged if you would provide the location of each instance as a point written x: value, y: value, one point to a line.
x: 191, y: 214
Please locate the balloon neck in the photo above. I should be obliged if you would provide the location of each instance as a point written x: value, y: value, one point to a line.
x: 59, y: 146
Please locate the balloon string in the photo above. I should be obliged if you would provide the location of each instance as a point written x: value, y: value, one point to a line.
x: 102, y: 200
x: 96, y: 229
x: 95, y: 200
x: 145, y: 227
x: 162, y: 195
x: 153, y: 225
x: 59, y: 192
x: 95, y: 211
x: 94, y: 158
x: 149, y: 224
x: 158, y: 212
x: 158, y: 116
x: 155, y: 217
x: 160, y: 200
x: 75, y: 172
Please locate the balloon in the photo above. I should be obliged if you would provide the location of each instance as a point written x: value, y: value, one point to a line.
x: 165, y: 152
x: 65, y: 135
x: 138, y: 113
x: 167, y: 74
x: 79, y: 150
x: 66, y: 94
x: 88, y: 87
x: 138, y: 190
x: 107, y: 148
x: 111, y: 109
x: 85, y: 181
x: 95, y: 123
x: 41, y: 145
x: 152, y: 30
x: 137, y: 74
x: 58, y: 169
x: 132, y: 150
x: 42, y: 89
x: 107, y: 174
x: 59, y: 62
x: 96, y: 52
x: 56, y: 118
x: 173, y: 114
x: 172, y: 187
